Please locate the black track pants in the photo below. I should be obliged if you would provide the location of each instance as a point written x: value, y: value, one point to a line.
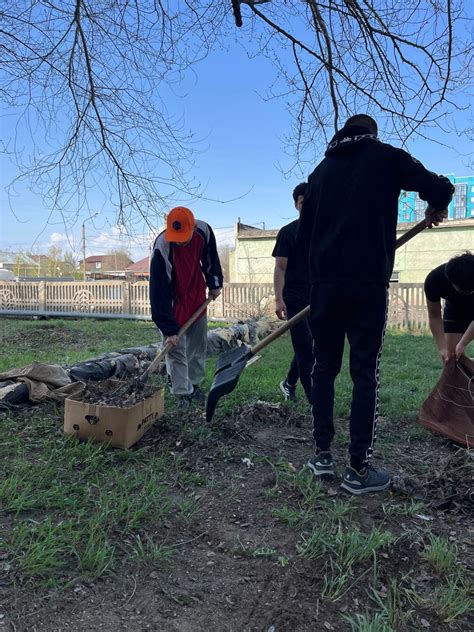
x: 360, y: 312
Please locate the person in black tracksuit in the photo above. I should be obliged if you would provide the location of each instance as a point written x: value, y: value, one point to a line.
x: 291, y: 296
x: 348, y: 230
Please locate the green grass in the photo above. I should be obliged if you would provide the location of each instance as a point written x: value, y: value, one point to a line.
x: 347, y: 546
x: 316, y: 544
x: 369, y: 623
x: 405, y: 383
x: 149, y: 553
x: 354, y: 547
x: 74, y: 503
x: 244, y: 550
x: 403, y: 509
x: 392, y: 605
x: 440, y: 554
x: 410, y: 368
x: 68, y: 341
x: 452, y: 599
x: 80, y: 509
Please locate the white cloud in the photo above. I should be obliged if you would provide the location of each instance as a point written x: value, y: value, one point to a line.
x: 116, y: 239
x: 58, y: 239
x: 66, y: 243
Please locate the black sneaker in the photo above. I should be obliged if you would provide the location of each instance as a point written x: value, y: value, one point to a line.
x: 289, y: 391
x: 367, y: 480
x: 198, y: 395
x: 321, y: 464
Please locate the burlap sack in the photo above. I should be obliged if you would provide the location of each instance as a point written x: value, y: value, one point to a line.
x: 449, y: 408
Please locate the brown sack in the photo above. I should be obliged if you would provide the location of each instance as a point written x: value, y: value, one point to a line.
x: 449, y: 408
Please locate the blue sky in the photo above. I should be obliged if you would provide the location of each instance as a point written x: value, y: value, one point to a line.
x: 243, y: 153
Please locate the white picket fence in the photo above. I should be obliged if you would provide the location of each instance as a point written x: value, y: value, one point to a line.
x: 124, y: 299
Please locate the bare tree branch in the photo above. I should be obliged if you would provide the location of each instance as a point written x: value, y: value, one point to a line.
x: 89, y: 83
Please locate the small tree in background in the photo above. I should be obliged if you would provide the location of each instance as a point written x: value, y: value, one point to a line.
x: 224, y: 257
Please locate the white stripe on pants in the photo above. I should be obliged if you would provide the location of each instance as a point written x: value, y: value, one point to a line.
x: 185, y: 363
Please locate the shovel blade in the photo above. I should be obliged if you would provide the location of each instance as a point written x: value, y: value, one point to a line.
x: 228, y: 370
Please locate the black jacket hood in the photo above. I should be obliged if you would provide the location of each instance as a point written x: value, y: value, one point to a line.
x: 350, y: 138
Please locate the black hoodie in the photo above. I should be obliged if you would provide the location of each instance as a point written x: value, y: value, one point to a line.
x: 348, y: 222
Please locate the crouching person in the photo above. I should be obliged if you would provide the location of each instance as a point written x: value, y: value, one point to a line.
x: 454, y: 282
x: 184, y: 262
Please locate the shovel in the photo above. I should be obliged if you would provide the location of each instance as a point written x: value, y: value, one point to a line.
x: 159, y: 357
x: 231, y: 364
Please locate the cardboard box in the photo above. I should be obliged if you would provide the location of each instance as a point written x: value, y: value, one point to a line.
x: 121, y: 427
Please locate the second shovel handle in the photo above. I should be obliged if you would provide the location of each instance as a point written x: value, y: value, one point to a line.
x: 305, y: 312
x: 280, y: 331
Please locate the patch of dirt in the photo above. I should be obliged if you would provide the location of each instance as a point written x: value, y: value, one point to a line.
x: 236, y: 567
x: 50, y: 336
x: 449, y: 487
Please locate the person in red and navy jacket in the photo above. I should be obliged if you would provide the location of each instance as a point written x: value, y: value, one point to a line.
x: 184, y: 263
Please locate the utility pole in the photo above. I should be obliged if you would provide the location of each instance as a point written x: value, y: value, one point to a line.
x: 84, y: 244
x: 84, y: 251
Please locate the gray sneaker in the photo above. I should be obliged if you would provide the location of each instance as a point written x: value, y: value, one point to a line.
x: 367, y: 480
x: 321, y: 464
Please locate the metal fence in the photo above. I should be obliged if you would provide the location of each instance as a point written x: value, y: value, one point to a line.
x: 125, y: 299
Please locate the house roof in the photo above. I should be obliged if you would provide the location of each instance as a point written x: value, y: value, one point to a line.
x: 39, y: 258
x: 7, y: 256
x: 258, y: 234
x: 107, y: 259
x: 245, y: 231
x: 96, y: 258
x: 140, y: 267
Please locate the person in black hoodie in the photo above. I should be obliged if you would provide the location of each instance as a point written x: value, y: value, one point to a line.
x: 348, y: 231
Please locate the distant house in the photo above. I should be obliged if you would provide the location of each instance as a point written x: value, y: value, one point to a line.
x: 42, y: 261
x: 111, y: 266
x: 36, y: 266
x: 252, y: 261
x: 140, y: 270
x: 19, y: 263
x: 7, y: 260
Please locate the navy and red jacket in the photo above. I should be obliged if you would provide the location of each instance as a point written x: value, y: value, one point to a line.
x: 163, y: 277
x: 347, y: 226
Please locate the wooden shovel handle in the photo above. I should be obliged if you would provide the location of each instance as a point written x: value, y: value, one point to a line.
x: 304, y: 312
x: 411, y: 233
x: 280, y: 331
x: 159, y: 357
